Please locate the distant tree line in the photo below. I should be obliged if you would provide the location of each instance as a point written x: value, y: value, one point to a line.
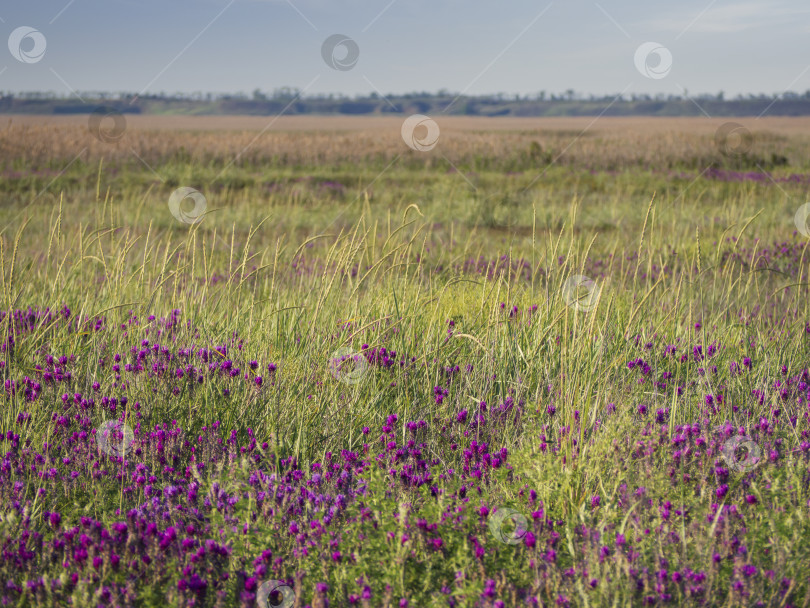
x: 290, y: 101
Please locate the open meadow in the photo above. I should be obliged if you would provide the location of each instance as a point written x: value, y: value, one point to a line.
x: 466, y: 362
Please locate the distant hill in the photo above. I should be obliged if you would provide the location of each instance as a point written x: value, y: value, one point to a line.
x: 287, y: 101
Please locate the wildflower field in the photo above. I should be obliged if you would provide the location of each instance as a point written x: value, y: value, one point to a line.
x: 520, y: 362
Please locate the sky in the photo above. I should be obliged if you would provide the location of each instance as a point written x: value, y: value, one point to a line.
x: 397, y: 46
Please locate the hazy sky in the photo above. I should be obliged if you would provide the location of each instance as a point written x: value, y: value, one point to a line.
x: 474, y: 46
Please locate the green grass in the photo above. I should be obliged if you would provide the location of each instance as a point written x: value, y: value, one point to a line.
x: 295, y: 274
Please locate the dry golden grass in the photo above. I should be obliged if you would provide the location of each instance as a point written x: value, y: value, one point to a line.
x: 32, y: 142
x: 780, y: 125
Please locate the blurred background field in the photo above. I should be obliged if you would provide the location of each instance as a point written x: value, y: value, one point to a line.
x: 487, y: 173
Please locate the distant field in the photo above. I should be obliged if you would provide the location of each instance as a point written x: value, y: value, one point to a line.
x: 485, y: 172
x: 310, y: 137
x: 778, y: 124
x: 548, y: 362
